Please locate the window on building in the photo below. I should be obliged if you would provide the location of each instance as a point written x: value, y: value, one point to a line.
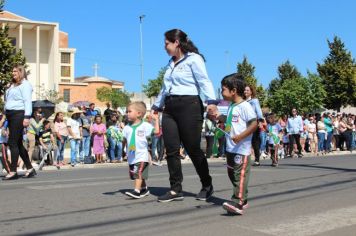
x: 13, y: 41
x: 65, y: 57
x: 117, y: 90
x: 65, y: 71
x: 65, y: 80
x: 66, y: 95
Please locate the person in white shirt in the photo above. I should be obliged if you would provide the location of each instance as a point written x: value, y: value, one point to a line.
x: 241, y: 122
x: 18, y: 109
x: 135, y: 135
x: 74, y: 126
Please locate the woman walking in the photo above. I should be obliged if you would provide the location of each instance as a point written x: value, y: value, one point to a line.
x: 18, y: 106
x: 250, y: 97
x: 185, y: 78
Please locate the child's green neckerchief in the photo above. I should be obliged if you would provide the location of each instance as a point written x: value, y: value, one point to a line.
x: 228, y: 123
x: 132, y: 144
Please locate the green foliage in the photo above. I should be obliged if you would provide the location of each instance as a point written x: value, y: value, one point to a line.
x: 261, y: 94
x: 273, y: 86
x: 154, y: 86
x: 117, y: 98
x: 288, y: 71
x: 305, y: 94
x: 338, y: 73
x: 247, y: 70
x: 8, y: 59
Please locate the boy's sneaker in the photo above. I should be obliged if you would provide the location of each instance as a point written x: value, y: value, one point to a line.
x: 169, y: 196
x: 144, y: 192
x: 205, y: 193
x: 133, y: 194
x: 245, y: 205
x: 233, y: 208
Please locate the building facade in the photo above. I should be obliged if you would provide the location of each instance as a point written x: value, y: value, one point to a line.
x: 84, y: 89
x: 49, y: 59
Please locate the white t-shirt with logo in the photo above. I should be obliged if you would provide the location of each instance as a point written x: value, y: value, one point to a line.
x: 74, y: 125
x: 274, y: 129
x: 242, y: 114
x: 143, y: 132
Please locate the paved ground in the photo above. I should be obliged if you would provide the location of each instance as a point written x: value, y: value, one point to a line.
x: 308, y: 196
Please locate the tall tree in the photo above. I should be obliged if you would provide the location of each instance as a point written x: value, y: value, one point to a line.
x: 305, y: 94
x: 154, y: 86
x: 117, y: 98
x: 338, y: 73
x: 247, y: 70
x: 286, y: 71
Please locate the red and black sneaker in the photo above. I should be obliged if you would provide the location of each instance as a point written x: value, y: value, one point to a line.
x: 233, y: 208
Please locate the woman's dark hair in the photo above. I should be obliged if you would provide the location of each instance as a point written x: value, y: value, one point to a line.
x: 185, y: 44
x: 234, y: 81
x: 56, y: 117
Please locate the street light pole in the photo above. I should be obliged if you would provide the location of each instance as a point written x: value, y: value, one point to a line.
x: 141, y: 53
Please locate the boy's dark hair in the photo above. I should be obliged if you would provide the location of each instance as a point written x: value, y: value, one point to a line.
x: 234, y: 81
x: 45, y: 123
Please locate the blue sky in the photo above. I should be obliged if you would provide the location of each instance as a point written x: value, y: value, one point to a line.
x: 267, y: 32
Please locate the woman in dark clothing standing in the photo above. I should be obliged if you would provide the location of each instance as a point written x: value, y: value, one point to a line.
x: 185, y: 79
x: 18, y: 107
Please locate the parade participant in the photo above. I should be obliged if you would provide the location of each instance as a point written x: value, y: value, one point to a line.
x: 250, y: 96
x: 241, y: 123
x: 135, y: 136
x: 274, y: 132
x: 185, y: 78
x: 18, y: 108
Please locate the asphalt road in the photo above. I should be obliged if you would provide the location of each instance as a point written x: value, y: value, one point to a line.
x: 308, y: 196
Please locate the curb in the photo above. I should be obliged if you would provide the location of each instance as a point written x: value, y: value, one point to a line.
x: 164, y: 163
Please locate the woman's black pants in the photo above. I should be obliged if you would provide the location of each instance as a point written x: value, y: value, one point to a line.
x: 15, y: 119
x: 182, y: 122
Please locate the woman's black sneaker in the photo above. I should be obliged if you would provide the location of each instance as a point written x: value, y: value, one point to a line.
x: 168, y: 197
x: 205, y: 193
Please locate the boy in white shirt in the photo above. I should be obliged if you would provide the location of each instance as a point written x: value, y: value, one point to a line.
x: 241, y: 122
x: 135, y: 135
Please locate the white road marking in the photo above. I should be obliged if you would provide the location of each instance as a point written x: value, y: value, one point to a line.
x: 314, y: 224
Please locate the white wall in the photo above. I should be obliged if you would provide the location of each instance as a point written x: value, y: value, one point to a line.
x: 47, y: 66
